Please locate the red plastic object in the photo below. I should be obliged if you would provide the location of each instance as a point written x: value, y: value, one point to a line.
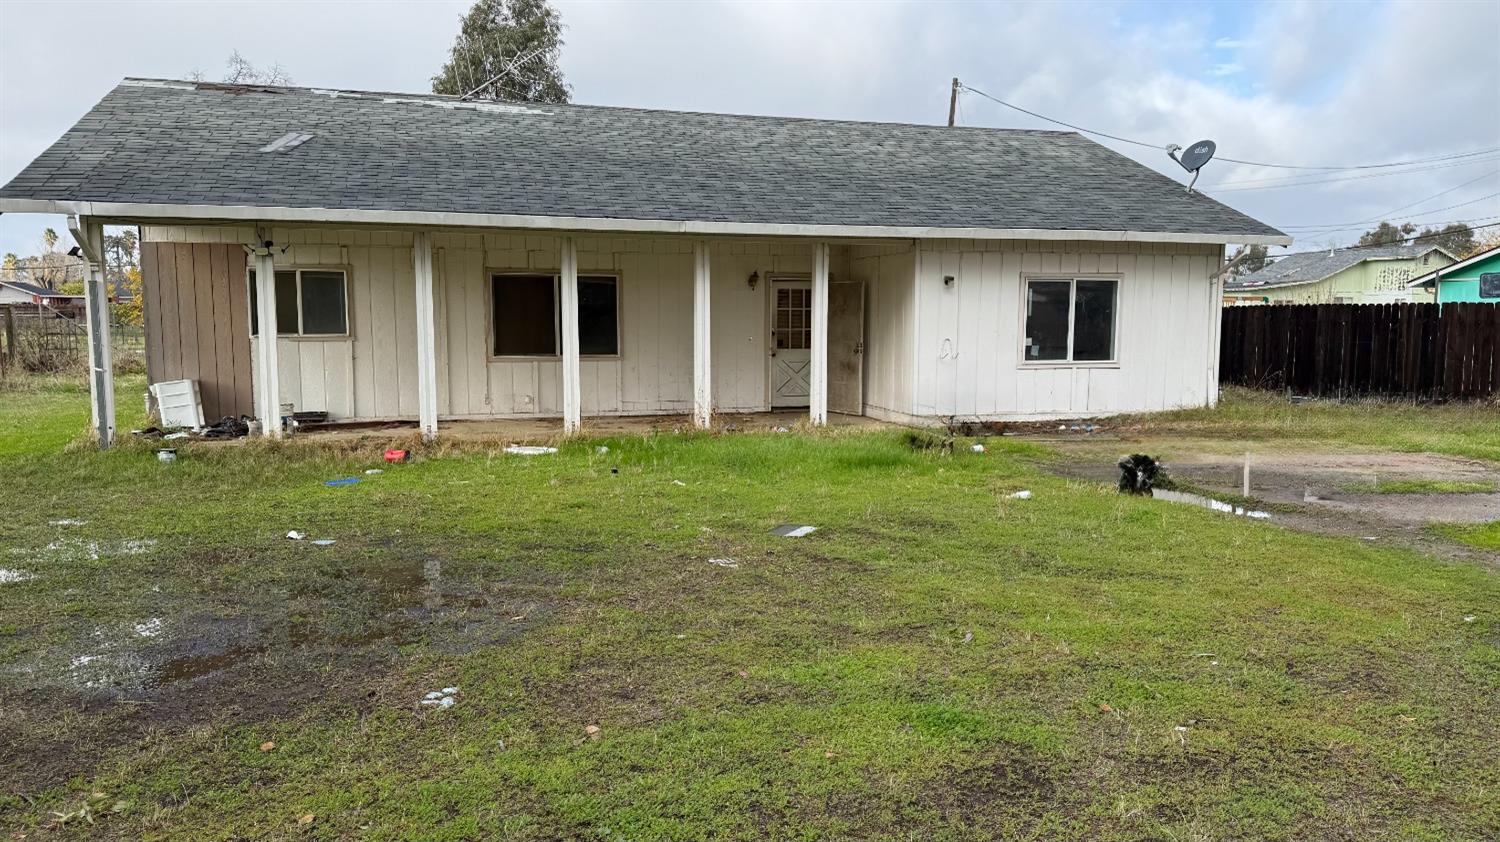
x: 398, y: 456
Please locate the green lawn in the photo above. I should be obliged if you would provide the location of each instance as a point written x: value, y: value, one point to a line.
x: 938, y: 661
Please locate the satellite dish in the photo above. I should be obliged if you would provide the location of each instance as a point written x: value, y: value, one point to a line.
x: 1194, y: 158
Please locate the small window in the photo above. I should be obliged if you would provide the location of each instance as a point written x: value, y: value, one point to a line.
x: 309, y: 302
x: 527, y: 315
x: 1070, y: 320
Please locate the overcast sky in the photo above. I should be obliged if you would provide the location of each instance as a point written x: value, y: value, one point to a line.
x: 1297, y: 83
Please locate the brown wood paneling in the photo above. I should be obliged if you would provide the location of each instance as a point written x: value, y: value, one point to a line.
x: 237, y: 266
x: 151, y: 311
x: 197, y: 321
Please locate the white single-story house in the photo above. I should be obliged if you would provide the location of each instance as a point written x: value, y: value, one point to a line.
x: 425, y: 257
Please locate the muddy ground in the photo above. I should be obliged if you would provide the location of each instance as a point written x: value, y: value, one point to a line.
x: 1325, y: 491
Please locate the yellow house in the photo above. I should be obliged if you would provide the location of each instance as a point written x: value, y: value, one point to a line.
x: 1361, y: 275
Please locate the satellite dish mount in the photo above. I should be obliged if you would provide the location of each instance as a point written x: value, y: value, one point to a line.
x: 1193, y: 159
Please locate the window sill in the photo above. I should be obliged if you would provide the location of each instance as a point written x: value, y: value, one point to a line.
x: 548, y: 358
x: 297, y: 337
x: 1043, y: 364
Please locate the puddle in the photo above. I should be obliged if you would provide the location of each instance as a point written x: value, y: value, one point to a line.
x: 1207, y: 503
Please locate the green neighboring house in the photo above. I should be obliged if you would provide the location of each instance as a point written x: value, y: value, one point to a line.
x: 1365, y: 275
x: 1473, y: 279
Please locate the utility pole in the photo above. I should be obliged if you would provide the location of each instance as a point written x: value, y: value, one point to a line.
x: 952, y: 102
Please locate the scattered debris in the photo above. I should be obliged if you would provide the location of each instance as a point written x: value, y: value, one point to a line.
x: 678, y: 482
x: 67, y: 521
x: 323, y: 542
x: 166, y: 455
x: 977, y: 447
x: 398, y: 456
x: 228, y: 427
x: 1139, y: 472
x: 529, y: 450
x: 921, y: 440
x: 1020, y: 495
x: 1208, y: 503
x: 968, y: 637
x: 780, y: 430
x: 724, y: 562
x: 444, y: 698
x: 267, y: 745
x: 1469, y: 618
x: 10, y: 575
x: 791, y: 530
x: 374, y: 471
x: 150, y: 628
x: 972, y: 429
x: 296, y: 535
x: 593, y: 731
x: 602, y: 449
x: 174, y: 436
x: 342, y: 481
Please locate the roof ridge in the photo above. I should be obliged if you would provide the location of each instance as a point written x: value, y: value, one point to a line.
x: 449, y: 98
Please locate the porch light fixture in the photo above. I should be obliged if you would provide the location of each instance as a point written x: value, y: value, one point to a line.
x: 753, y: 279
x: 947, y: 280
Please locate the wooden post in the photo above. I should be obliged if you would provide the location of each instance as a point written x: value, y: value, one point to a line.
x: 427, y: 402
x: 952, y: 102
x: 572, y: 397
x: 817, y: 397
x: 267, y: 373
x: 702, y: 346
x: 101, y: 362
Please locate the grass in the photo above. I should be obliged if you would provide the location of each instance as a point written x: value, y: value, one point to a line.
x: 937, y: 661
x: 1459, y: 429
x: 1428, y: 486
x: 1484, y: 536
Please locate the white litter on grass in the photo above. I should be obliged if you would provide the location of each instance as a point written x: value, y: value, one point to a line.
x: 150, y: 628
x: 324, y: 542
x: 790, y: 530
x: 1258, y: 515
x: 10, y: 575
x: 374, y: 471
x: 67, y: 521
x: 602, y: 449
x: 724, y: 562
x: 444, y: 698
x: 529, y: 450
x: 1021, y: 495
x: 678, y: 482
x: 1469, y: 618
x: 977, y: 447
x: 295, y: 535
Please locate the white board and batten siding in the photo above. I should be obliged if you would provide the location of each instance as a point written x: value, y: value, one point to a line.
x: 968, y: 360
x: 372, y: 374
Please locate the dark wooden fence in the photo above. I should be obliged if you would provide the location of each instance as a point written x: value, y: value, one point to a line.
x: 1412, y: 350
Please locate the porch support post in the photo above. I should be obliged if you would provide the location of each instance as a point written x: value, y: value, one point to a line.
x: 267, y: 371
x: 427, y: 399
x: 572, y: 398
x: 90, y: 236
x: 817, y: 396
x: 703, y: 398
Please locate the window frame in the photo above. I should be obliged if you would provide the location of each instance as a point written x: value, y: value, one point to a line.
x: 299, y: 336
x: 1072, y: 280
x: 489, y: 314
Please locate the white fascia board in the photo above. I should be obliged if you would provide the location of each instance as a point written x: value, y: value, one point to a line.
x: 123, y: 212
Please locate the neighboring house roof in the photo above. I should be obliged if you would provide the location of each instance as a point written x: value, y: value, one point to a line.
x: 33, y: 289
x: 1314, y: 266
x: 154, y: 148
x: 1430, y: 277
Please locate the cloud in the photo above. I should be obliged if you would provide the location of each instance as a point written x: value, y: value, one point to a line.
x: 1229, y: 69
x: 1232, y: 44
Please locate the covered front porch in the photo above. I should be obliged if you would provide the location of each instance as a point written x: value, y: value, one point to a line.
x: 537, y: 330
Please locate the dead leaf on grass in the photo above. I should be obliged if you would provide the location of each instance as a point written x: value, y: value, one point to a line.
x: 306, y: 819
x: 1104, y: 708
x: 592, y: 731
x: 267, y: 745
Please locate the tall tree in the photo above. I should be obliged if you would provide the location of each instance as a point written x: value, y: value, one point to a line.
x: 506, y: 49
x: 1254, y: 260
x: 1457, y: 239
x: 1387, y: 234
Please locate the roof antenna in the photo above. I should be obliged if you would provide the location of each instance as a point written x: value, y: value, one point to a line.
x: 1193, y: 159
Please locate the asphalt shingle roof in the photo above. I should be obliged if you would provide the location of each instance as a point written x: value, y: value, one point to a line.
x: 1310, y: 267
x: 160, y: 142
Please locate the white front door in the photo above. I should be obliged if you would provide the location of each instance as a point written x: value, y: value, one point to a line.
x: 791, y: 342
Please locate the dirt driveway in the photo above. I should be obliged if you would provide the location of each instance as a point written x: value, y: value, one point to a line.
x: 1327, y: 491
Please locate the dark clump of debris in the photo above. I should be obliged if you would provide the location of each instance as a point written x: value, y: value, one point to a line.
x: 924, y: 441
x: 1139, y: 473
x: 975, y: 429
x: 228, y: 427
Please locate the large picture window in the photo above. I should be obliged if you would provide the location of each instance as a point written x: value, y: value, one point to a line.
x: 309, y: 302
x: 527, y: 315
x: 1070, y: 320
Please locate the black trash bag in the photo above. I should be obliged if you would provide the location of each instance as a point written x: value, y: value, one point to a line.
x: 1139, y: 473
x: 227, y: 427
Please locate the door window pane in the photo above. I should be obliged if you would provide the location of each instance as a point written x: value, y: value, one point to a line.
x: 1047, y: 320
x: 598, y: 315
x: 323, y: 310
x: 1094, y: 321
x: 525, y: 315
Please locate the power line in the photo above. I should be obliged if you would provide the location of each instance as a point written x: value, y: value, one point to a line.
x: 1406, y: 241
x: 1430, y: 198
x: 1434, y: 226
x: 1149, y: 145
x: 1276, y: 184
x: 1387, y: 216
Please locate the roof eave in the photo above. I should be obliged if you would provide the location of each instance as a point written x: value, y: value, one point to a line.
x: 153, y: 212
